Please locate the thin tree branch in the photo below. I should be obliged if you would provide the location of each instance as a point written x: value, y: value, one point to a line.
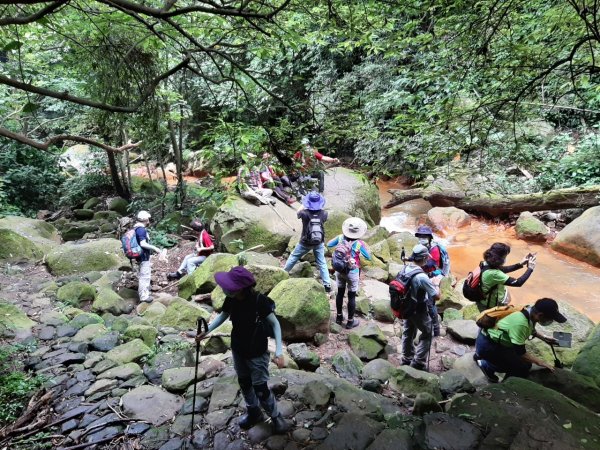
x: 63, y: 137
x: 22, y: 20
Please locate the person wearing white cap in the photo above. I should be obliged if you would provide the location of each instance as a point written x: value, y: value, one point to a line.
x: 346, y: 263
x: 421, y: 286
x: 145, y: 268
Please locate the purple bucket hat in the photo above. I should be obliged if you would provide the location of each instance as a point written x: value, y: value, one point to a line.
x: 236, y: 279
x: 313, y: 201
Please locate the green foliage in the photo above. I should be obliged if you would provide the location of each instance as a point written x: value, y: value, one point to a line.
x: 162, y: 239
x: 30, y: 179
x: 16, y: 387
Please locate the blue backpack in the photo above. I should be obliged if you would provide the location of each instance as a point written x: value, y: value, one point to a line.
x: 444, y: 259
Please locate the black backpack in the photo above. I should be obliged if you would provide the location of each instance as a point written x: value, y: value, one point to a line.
x: 403, y: 304
x: 315, y: 234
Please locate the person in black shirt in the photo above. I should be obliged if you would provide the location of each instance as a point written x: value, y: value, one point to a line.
x: 313, y: 236
x: 251, y: 314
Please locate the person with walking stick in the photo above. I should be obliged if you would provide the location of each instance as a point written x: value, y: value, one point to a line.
x: 253, y: 317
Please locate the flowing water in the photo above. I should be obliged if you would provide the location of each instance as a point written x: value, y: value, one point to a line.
x: 556, y: 275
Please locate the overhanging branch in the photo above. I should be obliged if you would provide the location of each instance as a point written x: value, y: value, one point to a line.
x: 22, y: 20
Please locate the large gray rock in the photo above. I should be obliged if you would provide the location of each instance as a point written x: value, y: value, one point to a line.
x: 367, y: 342
x: 151, y: 404
x: 13, y: 321
x: 450, y: 433
x: 463, y: 330
x: 304, y: 357
x: 89, y: 256
x: 22, y: 238
x: 378, y: 369
x: 129, y: 352
x: 581, y: 238
x: 447, y: 218
x: 411, y: 381
x: 240, y: 220
x: 353, y: 432
x: 588, y: 360
x: 202, y: 280
x: 347, y: 364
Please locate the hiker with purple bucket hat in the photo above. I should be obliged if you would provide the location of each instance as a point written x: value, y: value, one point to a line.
x: 253, y: 318
x: 313, y: 236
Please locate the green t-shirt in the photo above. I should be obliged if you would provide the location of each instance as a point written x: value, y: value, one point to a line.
x: 514, y: 329
x: 492, y: 282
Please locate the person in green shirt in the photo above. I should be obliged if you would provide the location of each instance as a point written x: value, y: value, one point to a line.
x: 502, y: 348
x: 494, y: 278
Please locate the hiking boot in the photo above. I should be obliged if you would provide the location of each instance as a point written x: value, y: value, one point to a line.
x: 339, y: 319
x: 280, y: 425
x: 147, y: 300
x: 405, y: 362
x: 327, y: 288
x: 476, y: 357
x: 174, y: 276
x: 418, y: 366
x: 252, y: 417
x: 352, y: 323
x: 490, y: 375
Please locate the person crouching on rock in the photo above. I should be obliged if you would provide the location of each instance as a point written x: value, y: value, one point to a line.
x: 204, y: 247
x: 346, y: 263
x: 251, y: 314
x: 502, y: 348
x: 313, y: 236
x: 421, y: 287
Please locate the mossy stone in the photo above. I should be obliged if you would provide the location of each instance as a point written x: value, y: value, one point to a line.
x: 75, y: 293
x: 83, y: 214
x: 108, y: 300
x: 530, y: 228
x: 92, y: 203
x: 144, y: 332
x: 14, y: 247
x: 84, y: 318
x: 182, y: 315
x: 119, y: 205
x: 13, y: 321
x: 41, y: 237
x: 97, y: 255
x: 202, y: 280
x: 131, y: 351
x: 411, y: 381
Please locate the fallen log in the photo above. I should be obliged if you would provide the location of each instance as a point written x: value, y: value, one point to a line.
x: 499, y: 205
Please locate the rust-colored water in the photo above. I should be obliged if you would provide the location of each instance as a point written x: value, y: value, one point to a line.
x: 556, y: 275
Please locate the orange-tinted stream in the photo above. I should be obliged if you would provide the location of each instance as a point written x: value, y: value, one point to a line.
x: 556, y: 275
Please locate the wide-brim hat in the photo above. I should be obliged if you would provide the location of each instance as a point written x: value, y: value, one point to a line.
x: 236, y: 279
x: 354, y: 228
x: 313, y: 201
x: 549, y: 308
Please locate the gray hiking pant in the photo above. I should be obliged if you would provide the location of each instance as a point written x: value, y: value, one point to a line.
x: 420, y: 321
x: 253, y: 375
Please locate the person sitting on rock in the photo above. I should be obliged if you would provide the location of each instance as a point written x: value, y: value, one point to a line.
x: 204, y: 247
x: 346, y: 261
x: 269, y: 178
x: 308, y: 159
x: 502, y: 348
x: 433, y: 268
x: 494, y: 279
x: 250, y: 186
x: 250, y: 313
x: 145, y: 267
x: 313, y: 236
x: 421, y: 287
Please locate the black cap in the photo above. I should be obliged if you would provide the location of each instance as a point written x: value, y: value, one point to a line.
x: 549, y: 308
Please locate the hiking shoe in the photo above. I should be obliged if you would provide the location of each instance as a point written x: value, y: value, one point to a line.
x: 147, y: 300
x: 491, y: 376
x: 418, y: 366
x: 251, y: 418
x: 476, y: 357
x: 405, y: 362
x: 327, y: 289
x: 174, y: 276
x: 352, y: 323
x: 339, y: 319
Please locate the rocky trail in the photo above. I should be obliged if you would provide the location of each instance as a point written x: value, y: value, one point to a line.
x: 119, y: 374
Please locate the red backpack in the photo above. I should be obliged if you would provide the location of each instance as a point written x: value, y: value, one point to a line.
x: 403, y: 304
x: 131, y: 246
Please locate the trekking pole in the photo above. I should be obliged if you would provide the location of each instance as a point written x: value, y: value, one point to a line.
x: 430, y: 342
x: 281, y: 217
x: 557, y: 362
x: 403, y: 255
x: 201, y: 324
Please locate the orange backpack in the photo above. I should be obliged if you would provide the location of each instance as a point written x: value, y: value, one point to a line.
x: 490, y: 317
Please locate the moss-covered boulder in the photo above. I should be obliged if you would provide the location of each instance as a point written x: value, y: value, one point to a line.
x: 267, y: 277
x: 451, y: 296
x: 202, y: 280
x: 398, y: 241
x: 152, y: 188
x: 239, y: 224
x: 84, y: 319
x: 106, y: 216
x: 302, y: 307
x: 108, y: 300
x: 73, y: 231
x: 182, y: 315
x: 579, y: 325
x: 411, y: 382
x: 381, y: 250
x: 347, y: 364
x: 581, y: 238
x: 76, y: 293
x: 131, y: 351
x: 82, y: 257
x: 530, y: 228
x: 588, y: 360
x: 13, y: 321
x: 90, y: 332
x: 154, y: 312
x: 22, y: 238
x: 578, y: 387
x: 519, y: 413
x: 118, y: 205
x: 144, y: 332
x: 83, y: 214
x: 375, y: 234
x: 367, y: 342
x: 333, y: 226
x: 92, y: 203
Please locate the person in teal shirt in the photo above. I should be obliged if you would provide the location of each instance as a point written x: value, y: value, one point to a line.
x: 502, y: 348
x: 352, y: 230
x: 494, y: 278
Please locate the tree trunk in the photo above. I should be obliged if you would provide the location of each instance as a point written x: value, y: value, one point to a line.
x: 114, y: 174
x: 499, y: 205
